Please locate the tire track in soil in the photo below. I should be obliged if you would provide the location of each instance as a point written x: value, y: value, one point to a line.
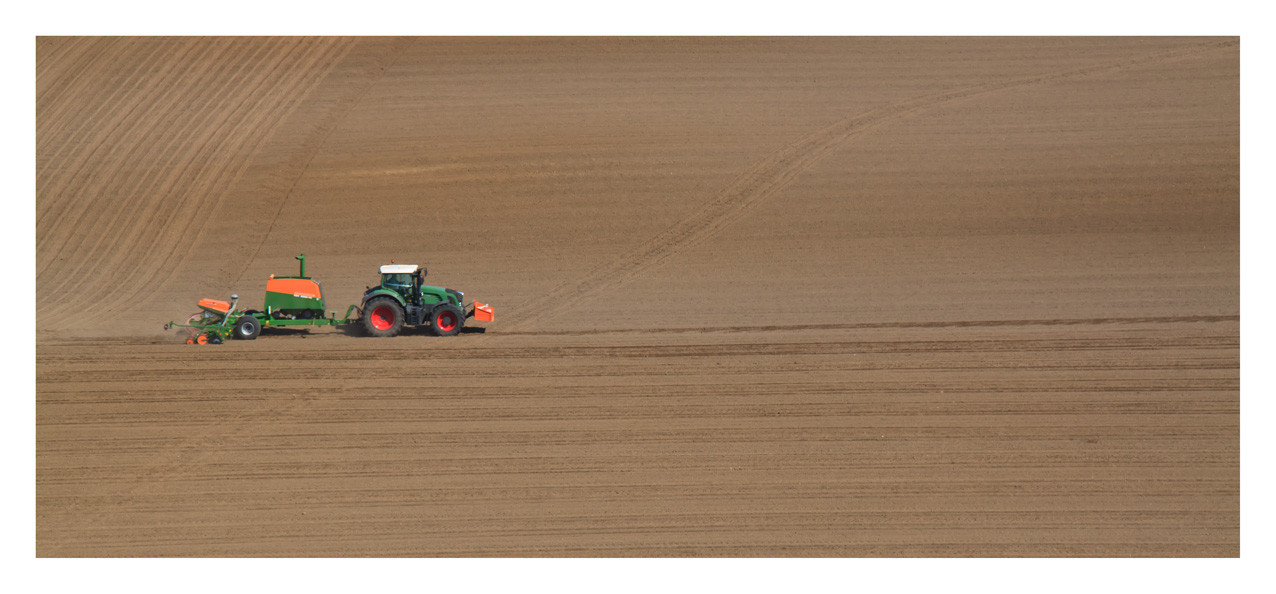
x: 306, y: 166
x: 193, y: 451
x: 145, y: 118
x: 85, y: 153
x: 149, y: 212
x: 768, y: 176
x: 67, y: 341
x: 322, y: 127
x: 99, y: 374
x: 59, y: 73
x: 270, y: 94
x: 882, y: 325
x: 214, y: 485
x: 232, y: 171
x: 136, y: 113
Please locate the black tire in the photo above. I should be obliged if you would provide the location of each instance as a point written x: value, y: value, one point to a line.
x: 446, y: 320
x: 383, y: 317
x: 247, y: 328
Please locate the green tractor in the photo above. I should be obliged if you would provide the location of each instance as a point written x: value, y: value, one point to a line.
x: 403, y: 298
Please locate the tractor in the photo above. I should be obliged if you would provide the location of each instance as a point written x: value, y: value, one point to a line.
x: 403, y: 299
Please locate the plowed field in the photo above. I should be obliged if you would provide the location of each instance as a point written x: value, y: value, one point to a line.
x: 754, y: 297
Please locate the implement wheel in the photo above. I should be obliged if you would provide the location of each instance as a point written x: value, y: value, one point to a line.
x: 383, y: 317
x: 247, y: 328
x: 446, y: 320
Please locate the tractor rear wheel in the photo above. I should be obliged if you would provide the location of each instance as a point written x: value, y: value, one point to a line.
x: 247, y: 328
x: 446, y: 320
x: 383, y: 317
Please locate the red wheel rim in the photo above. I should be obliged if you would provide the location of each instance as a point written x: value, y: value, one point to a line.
x: 383, y: 318
x: 447, y: 321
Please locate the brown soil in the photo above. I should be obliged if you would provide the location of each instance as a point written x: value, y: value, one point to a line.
x: 772, y: 297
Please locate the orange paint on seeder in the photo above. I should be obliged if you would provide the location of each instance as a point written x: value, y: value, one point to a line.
x: 297, y: 287
x: 214, y: 305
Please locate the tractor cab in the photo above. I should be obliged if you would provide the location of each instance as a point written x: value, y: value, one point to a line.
x: 404, y: 279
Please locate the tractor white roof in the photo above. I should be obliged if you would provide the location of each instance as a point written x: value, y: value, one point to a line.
x: 398, y: 269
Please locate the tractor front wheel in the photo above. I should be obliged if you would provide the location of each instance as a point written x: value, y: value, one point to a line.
x: 247, y: 328
x: 383, y: 317
x: 446, y: 320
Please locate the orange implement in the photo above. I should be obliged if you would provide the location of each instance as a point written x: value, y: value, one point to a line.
x: 202, y: 339
x: 214, y: 305
x: 483, y: 312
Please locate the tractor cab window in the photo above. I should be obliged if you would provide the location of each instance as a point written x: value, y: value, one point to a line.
x: 398, y: 282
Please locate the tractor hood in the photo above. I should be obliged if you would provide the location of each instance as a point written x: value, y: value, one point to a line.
x: 443, y: 292
x: 441, y: 295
